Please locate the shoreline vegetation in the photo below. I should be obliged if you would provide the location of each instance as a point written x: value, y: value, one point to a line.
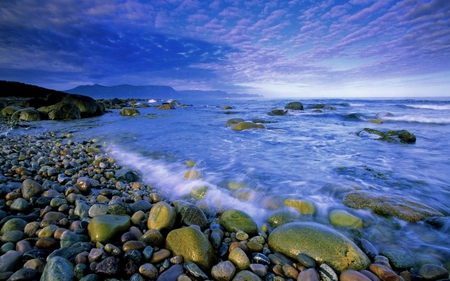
x: 69, y: 211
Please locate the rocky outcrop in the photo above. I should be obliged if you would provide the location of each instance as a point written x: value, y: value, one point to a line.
x: 401, y: 136
x: 62, y: 111
x: 295, y: 105
x: 390, y: 206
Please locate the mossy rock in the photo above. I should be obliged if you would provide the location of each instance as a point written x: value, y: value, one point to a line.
x: 128, y: 111
x: 28, y: 114
x: 192, y: 245
x: 9, y: 110
x: 199, y: 191
x: 193, y: 175
x: 166, y: 106
x: 319, y: 242
x: 162, y: 216
x: 234, y: 220
x: 278, y: 112
x: 304, y: 207
x: 283, y: 217
x: 233, y: 122
x: 295, y: 105
x: 247, y: 126
x: 343, y: 218
x: 103, y: 228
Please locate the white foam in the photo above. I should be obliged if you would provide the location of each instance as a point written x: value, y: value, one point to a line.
x: 357, y: 104
x: 419, y: 119
x: 430, y: 106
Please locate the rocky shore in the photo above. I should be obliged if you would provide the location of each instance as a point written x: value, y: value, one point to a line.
x: 68, y: 211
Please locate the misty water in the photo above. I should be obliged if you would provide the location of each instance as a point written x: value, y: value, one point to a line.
x: 308, y: 155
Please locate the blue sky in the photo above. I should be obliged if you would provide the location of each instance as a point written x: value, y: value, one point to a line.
x: 304, y: 48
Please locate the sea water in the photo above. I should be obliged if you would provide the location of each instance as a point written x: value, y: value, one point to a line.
x: 316, y: 156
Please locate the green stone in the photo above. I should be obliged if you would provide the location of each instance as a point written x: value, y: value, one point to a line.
x: 103, y: 228
x: 192, y: 244
x: 247, y: 126
x: 58, y: 269
x: 343, y: 218
x: 246, y: 275
x: 234, y: 220
x: 319, y: 242
x: 13, y: 224
x: 162, y: 216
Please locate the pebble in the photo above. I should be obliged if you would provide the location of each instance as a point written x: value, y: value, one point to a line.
x: 239, y: 258
x: 433, y: 272
x: 223, y: 271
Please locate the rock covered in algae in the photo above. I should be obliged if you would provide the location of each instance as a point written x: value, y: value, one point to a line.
x: 247, y: 126
x: 192, y: 244
x: 162, y: 216
x: 319, y: 242
x: 234, y: 220
x: 343, y: 218
x: 103, y: 228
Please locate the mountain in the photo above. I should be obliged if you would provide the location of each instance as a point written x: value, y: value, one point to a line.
x: 149, y: 92
x: 22, y: 90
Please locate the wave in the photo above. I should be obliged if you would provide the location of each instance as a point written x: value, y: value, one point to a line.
x: 419, y: 119
x: 357, y: 104
x: 429, y: 106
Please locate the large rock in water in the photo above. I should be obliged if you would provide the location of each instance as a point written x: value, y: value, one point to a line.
x: 193, y: 245
x: 295, y: 105
x: 27, y: 114
x: 390, y: 206
x: 319, y: 242
x: 88, y: 106
x: 247, y: 126
x: 103, y: 228
x: 63, y: 111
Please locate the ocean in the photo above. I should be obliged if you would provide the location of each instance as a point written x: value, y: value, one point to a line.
x: 313, y: 155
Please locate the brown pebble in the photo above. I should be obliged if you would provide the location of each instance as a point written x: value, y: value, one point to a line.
x: 136, y: 231
x: 31, y: 228
x: 95, y: 255
x: 133, y: 245
x: 177, y: 260
x: 127, y: 236
x: 278, y: 270
x: 238, y: 245
x: 82, y: 258
x: 23, y: 246
x: 309, y: 274
x: 159, y: 256
x: 406, y: 275
x: 370, y: 275
x: 353, y: 275
x: 59, y: 232
x: 384, y: 272
x: 47, y: 243
x: 36, y: 264
x: 290, y: 272
x: 153, y: 238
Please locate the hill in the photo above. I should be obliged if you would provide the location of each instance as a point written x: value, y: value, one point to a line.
x: 21, y: 90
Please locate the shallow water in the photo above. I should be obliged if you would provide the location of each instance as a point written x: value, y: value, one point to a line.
x: 304, y: 155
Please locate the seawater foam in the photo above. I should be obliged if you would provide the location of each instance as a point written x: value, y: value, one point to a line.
x: 169, y: 178
x: 419, y: 119
x: 430, y: 106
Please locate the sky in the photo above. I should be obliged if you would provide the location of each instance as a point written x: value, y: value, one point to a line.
x: 297, y: 48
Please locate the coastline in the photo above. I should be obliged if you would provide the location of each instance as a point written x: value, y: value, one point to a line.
x: 72, y: 177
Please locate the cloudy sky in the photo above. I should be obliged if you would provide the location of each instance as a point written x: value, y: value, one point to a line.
x: 304, y: 48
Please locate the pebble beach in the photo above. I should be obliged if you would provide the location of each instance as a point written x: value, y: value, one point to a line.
x: 69, y: 211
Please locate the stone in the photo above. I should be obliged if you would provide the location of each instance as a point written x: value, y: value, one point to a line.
x: 58, y: 269
x: 282, y: 217
x: 343, y: 218
x: 433, y: 272
x: 353, y: 275
x: 304, y: 207
x: 309, y: 274
x: 23, y: 274
x: 239, y: 258
x: 390, y: 205
x: 103, y: 228
x: 295, y: 105
x: 192, y: 244
x: 384, y: 272
x: 171, y: 274
x: 258, y: 269
x: 223, y: 271
x: 9, y: 110
x: 246, y: 275
x: 247, y: 126
x: 233, y: 122
x: 107, y: 267
x: 149, y: 271
x: 162, y: 216
x: 278, y: 112
x: 327, y: 273
x: 159, y: 256
x: 10, y: 261
x: 368, y: 248
x: 128, y: 111
x: 97, y: 210
x: 400, y: 260
x: 194, y: 270
x: 12, y: 236
x: 153, y: 238
x: 319, y: 242
x: 190, y: 214
x: 31, y: 188
x: 234, y: 220
x: 88, y: 106
x: 133, y: 245
x: 28, y: 114
x: 63, y: 111
x: 85, y: 184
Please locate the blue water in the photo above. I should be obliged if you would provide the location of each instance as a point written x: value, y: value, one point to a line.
x: 304, y: 155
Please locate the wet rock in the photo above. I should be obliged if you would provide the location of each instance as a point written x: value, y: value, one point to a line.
x: 107, y: 267
x: 233, y: 122
x: 31, y: 188
x: 309, y: 274
x: 247, y: 126
x: 306, y: 261
x: 391, y: 205
x: 353, y: 275
x: 282, y: 217
x: 162, y: 216
x: 88, y: 106
x: 149, y: 271
x: 433, y: 272
x: 234, y: 220
x: 128, y: 111
x: 239, y: 258
x: 384, y: 272
x: 23, y: 274
x: 295, y: 105
x: 62, y: 111
x: 223, y: 271
x: 327, y: 273
x: 28, y: 114
x: 399, y: 259
x: 103, y: 228
x: 58, y: 269
x: 278, y: 112
x: 319, y: 242
x: 246, y: 275
x: 402, y: 136
x: 9, y: 110
x: 171, y: 273
x: 192, y: 244
x: 368, y: 248
x: 10, y: 261
x: 190, y: 214
x: 304, y: 207
x: 194, y: 270
x: 153, y: 238
x: 343, y: 218
x: 13, y: 224
x: 159, y: 256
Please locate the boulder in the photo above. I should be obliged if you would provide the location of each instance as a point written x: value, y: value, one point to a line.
x: 402, y: 136
x: 233, y: 121
x: 295, y: 105
x: 63, y: 111
x: 26, y: 114
x: 103, y: 228
x: 343, y: 218
x: 162, y: 216
x: 129, y: 111
x: 192, y: 245
x: 9, y: 110
x: 319, y: 242
x: 304, y: 207
x: 390, y: 206
x: 234, y: 220
x: 88, y: 106
x: 247, y: 126
x: 278, y: 112
x: 190, y: 214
